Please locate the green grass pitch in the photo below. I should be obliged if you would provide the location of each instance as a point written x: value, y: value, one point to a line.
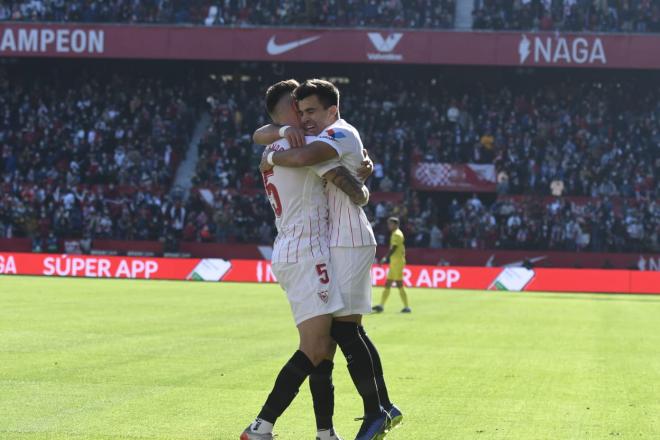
x: 118, y: 359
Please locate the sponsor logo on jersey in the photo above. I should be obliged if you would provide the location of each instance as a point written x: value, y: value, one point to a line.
x: 335, y: 134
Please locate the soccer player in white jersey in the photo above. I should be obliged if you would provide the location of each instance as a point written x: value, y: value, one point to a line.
x: 352, y: 245
x: 300, y: 261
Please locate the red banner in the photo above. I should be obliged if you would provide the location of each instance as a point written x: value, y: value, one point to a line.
x: 453, y: 177
x: 216, y: 269
x: 539, y: 258
x: 331, y: 45
x: 423, y: 256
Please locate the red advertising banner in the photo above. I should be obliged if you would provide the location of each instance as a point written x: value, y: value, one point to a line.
x: 421, y: 256
x: 331, y: 45
x: 259, y: 271
x: 538, y: 258
x: 428, y: 176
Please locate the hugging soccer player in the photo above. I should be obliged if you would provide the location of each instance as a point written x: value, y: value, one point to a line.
x: 352, y: 244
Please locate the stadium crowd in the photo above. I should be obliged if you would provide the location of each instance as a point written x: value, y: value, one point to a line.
x: 568, y: 15
x: 94, y: 156
x: 559, y: 138
x: 90, y: 156
x: 563, y: 15
x: 343, y: 13
x: 599, y: 225
x: 556, y: 138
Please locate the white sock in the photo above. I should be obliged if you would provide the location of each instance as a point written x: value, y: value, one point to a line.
x: 260, y: 426
x: 326, y: 434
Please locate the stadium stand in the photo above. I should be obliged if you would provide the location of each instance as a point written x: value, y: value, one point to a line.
x: 563, y: 15
x: 568, y: 15
x: 91, y: 155
x: 82, y: 160
x: 395, y: 13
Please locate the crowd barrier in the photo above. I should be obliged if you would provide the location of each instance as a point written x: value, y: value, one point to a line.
x: 259, y: 271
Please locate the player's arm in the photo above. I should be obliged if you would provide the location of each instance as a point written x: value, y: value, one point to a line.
x: 392, y: 250
x: 366, y: 167
x: 344, y: 180
x: 270, y: 133
x: 312, y: 154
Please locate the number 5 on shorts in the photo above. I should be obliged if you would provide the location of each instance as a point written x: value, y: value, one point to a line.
x: 323, y: 273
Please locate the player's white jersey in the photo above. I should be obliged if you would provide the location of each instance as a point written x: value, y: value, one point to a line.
x: 349, y: 226
x: 301, y: 209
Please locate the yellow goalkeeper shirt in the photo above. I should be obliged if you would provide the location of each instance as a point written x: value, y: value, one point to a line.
x: 396, y: 239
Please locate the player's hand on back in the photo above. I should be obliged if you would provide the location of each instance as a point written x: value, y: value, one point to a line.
x: 366, y: 167
x: 295, y: 136
x: 264, y: 165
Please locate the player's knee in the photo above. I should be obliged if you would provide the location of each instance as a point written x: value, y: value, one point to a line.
x: 317, y: 349
x: 344, y: 332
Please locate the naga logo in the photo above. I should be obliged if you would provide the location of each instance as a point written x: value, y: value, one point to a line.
x: 277, y: 49
x: 385, y: 46
x: 561, y: 50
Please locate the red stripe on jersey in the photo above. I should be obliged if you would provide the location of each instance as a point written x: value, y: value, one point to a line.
x: 332, y: 226
x: 333, y: 213
x: 288, y: 245
x: 311, y: 246
x: 318, y: 225
x: 350, y: 220
x: 298, y: 245
x: 279, y: 250
x: 341, y: 203
x: 360, y: 212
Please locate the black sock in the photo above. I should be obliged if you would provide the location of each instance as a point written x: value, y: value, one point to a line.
x: 287, y: 384
x: 359, y: 363
x: 378, y: 368
x: 323, y: 394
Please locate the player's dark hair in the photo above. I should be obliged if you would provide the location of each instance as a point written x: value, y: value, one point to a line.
x: 277, y: 91
x: 327, y: 93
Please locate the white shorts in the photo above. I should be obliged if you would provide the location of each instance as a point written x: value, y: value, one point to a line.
x: 352, y: 267
x: 310, y: 286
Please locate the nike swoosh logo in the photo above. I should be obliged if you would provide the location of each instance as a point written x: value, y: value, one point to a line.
x: 276, y: 49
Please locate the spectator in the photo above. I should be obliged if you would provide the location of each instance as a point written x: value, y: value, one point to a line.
x: 403, y: 13
x: 567, y: 15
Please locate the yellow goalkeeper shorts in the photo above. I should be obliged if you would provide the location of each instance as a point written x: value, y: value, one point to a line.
x: 396, y: 270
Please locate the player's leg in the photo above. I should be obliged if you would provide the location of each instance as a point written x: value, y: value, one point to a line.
x: 404, y: 300
x: 404, y: 297
x: 394, y: 412
x: 355, y: 266
x: 311, y: 304
x: 346, y: 331
x: 362, y: 362
x: 386, y: 294
x: 314, y: 348
x: 320, y: 380
x: 323, y: 397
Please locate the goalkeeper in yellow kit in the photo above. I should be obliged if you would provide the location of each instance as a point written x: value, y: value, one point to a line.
x: 397, y: 257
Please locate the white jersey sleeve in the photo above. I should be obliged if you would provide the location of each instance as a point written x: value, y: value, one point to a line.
x: 349, y: 226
